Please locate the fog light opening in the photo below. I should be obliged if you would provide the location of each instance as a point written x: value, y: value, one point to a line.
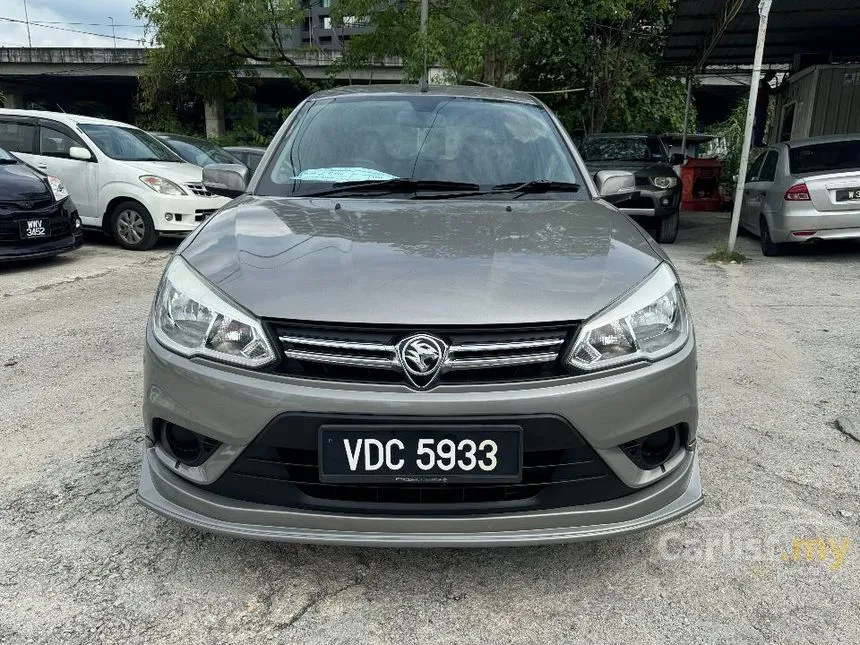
x: 655, y: 449
x: 168, y: 217
x: 187, y: 447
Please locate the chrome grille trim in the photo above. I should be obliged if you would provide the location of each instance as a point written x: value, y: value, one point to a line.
x: 198, y: 189
x: 499, y: 361
x: 483, y: 354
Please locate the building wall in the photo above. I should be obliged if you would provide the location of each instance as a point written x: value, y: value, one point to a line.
x: 837, y: 101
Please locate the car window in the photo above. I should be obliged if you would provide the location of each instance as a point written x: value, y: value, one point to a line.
x: 53, y: 143
x: 768, y: 167
x: 429, y: 137
x: 200, y: 152
x: 753, y: 172
x: 622, y: 149
x: 254, y: 159
x: 824, y: 157
x: 127, y: 143
x: 5, y: 156
x: 16, y: 136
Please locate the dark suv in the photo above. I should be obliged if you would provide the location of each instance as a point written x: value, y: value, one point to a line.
x: 658, y: 190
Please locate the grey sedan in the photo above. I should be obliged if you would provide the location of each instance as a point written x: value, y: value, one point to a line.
x: 803, y: 191
x: 420, y: 323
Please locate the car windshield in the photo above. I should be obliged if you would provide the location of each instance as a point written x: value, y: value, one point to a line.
x: 425, y: 138
x: 199, y: 152
x: 128, y: 144
x: 621, y: 149
x: 5, y: 157
x: 824, y: 157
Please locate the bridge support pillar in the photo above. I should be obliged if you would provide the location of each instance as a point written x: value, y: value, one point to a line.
x: 214, y: 111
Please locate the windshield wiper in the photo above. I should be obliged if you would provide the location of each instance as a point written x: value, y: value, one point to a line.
x: 396, y: 185
x: 537, y: 186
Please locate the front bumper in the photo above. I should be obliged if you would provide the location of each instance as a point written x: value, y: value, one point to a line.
x: 234, y: 406
x: 192, y: 211
x: 652, y: 202
x: 32, y: 251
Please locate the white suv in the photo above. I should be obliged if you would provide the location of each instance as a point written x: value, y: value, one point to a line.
x: 123, y: 180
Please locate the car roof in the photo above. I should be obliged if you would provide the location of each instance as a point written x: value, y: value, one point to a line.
x: 830, y: 138
x: 63, y: 117
x: 460, y: 91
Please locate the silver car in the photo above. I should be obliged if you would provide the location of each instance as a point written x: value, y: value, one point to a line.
x: 803, y: 191
x: 420, y: 324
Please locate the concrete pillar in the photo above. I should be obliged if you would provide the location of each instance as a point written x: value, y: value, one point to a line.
x: 214, y: 111
x: 14, y: 100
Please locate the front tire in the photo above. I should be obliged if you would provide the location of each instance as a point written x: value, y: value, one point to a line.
x: 768, y: 246
x: 667, y: 228
x: 132, y: 227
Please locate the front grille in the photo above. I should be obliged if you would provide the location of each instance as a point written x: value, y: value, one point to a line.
x: 475, y: 355
x: 198, y: 189
x: 202, y: 214
x: 280, y: 468
x: 26, y: 206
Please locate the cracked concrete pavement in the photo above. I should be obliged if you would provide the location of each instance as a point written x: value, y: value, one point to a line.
x: 82, y: 562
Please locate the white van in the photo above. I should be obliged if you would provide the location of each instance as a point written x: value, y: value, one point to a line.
x: 123, y: 180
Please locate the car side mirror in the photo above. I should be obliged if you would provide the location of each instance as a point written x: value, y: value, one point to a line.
x: 82, y: 154
x: 677, y: 159
x: 615, y: 185
x: 226, y: 179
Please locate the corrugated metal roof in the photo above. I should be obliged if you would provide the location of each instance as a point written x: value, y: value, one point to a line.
x: 794, y: 26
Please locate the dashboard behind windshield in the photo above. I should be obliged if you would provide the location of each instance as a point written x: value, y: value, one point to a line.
x: 427, y: 138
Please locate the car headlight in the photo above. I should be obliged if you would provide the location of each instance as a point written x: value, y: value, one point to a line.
x: 664, y: 182
x: 191, y: 319
x: 162, y: 185
x: 58, y: 188
x: 647, y: 325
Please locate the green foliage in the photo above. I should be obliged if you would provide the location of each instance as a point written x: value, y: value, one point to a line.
x: 203, y: 46
x: 730, y: 143
x: 609, y: 48
x: 722, y: 255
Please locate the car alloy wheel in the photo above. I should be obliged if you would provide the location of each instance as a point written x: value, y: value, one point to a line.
x: 132, y: 227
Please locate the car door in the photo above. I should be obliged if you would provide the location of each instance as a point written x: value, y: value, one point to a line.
x: 758, y: 189
x: 752, y: 175
x: 79, y: 176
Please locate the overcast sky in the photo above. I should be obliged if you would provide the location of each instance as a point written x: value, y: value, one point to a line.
x: 61, y: 12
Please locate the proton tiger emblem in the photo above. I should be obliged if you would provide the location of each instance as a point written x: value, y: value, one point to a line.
x: 422, y: 357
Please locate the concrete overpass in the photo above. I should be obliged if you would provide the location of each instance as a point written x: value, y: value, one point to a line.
x: 54, y: 75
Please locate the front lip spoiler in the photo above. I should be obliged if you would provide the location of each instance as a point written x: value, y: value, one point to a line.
x: 690, y: 499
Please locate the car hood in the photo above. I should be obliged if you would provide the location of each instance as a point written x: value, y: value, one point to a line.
x: 399, y: 262
x: 177, y: 172
x: 20, y: 183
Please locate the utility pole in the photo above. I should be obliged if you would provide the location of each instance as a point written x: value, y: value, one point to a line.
x: 425, y: 11
x: 113, y: 29
x: 763, y: 11
x: 27, y: 20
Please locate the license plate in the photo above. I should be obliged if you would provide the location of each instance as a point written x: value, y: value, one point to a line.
x: 31, y: 228
x: 420, y: 454
x: 851, y: 194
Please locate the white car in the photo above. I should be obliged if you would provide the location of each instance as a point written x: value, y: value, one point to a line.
x: 123, y: 180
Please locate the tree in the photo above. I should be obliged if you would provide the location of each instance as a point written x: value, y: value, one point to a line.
x: 609, y: 48
x: 202, y: 47
x: 472, y: 39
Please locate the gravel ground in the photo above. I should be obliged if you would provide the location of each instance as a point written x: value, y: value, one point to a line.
x: 82, y: 562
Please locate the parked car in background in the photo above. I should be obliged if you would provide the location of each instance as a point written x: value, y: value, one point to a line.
x: 248, y: 155
x: 122, y: 180
x: 658, y: 189
x: 200, y: 152
x: 803, y: 191
x: 37, y: 216
x: 420, y: 325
